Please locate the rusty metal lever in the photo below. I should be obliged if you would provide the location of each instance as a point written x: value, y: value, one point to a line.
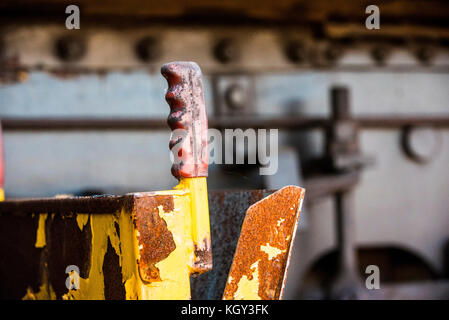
x: 189, y: 147
x: 187, y: 119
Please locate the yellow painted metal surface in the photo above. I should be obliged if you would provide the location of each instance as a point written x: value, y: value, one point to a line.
x: 188, y: 223
x: 199, y: 208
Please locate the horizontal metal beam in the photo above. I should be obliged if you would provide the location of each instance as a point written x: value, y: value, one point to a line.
x: 292, y: 123
x: 329, y: 184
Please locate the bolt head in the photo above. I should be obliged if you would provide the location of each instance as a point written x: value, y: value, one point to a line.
x: 226, y: 51
x: 380, y: 54
x: 333, y: 52
x: 296, y: 52
x: 148, y: 49
x: 425, y: 54
x: 70, y: 48
x: 235, y: 97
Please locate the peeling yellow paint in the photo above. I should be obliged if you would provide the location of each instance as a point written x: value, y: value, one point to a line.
x: 248, y: 288
x: 175, y: 269
x: 45, y: 292
x: 102, y: 227
x: 82, y: 219
x: 199, y: 210
x: 280, y: 221
x: 40, y: 234
x: 188, y: 222
x: 271, y: 251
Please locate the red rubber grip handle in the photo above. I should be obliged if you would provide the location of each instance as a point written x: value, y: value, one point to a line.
x: 187, y: 119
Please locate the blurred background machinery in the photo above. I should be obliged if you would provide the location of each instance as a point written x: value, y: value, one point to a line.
x: 362, y: 115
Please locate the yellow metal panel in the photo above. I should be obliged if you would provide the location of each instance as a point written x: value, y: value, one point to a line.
x: 186, y: 222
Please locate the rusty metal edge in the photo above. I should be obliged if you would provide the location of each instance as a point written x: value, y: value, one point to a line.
x: 292, y: 243
x: 316, y: 187
x: 94, y: 204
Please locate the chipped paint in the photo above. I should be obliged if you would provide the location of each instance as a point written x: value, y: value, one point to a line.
x: 249, y: 286
x: 40, y: 234
x: 199, y: 212
x: 265, y: 239
x: 82, y: 219
x: 280, y: 221
x: 45, y: 292
x: 271, y: 251
x: 123, y: 231
x: 174, y: 270
x: 102, y: 228
x: 155, y: 239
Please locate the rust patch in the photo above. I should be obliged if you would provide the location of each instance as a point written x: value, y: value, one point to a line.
x: 227, y: 210
x: 154, y: 239
x: 263, y: 249
x: 203, y: 257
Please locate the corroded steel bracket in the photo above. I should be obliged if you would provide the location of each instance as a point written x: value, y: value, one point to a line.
x: 260, y: 263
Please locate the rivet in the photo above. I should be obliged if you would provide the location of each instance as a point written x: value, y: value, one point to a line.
x: 226, y: 50
x: 70, y: 48
x: 148, y: 49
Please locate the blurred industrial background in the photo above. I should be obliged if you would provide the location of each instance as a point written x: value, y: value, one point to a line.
x: 363, y: 118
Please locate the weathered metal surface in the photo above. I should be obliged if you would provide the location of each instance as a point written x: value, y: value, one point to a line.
x: 137, y: 246
x: 261, y: 258
x: 199, y: 208
x: 185, y: 95
x: 93, y: 204
x: 67, y: 238
x: 154, y: 239
x: 227, y: 211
